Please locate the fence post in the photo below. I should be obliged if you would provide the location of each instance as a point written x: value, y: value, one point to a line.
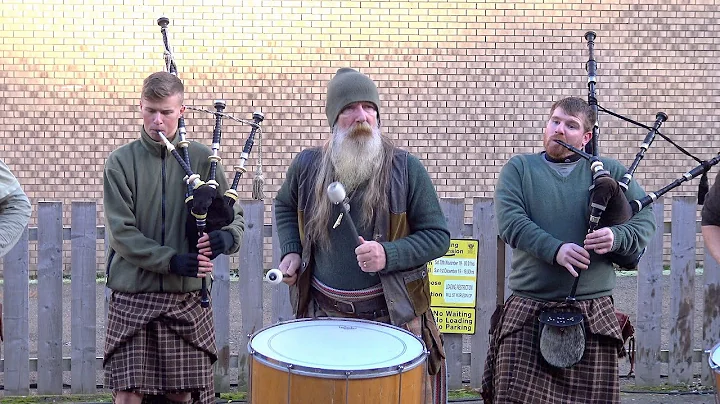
x: 281, y: 307
x: 15, y: 319
x: 220, y: 294
x: 682, y: 291
x: 454, y: 210
x: 485, y: 230
x: 649, y: 305
x: 250, y: 271
x: 505, y: 271
x: 83, y: 235
x: 50, y: 297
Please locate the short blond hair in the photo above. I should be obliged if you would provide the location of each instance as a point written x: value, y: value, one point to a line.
x: 160, y: 85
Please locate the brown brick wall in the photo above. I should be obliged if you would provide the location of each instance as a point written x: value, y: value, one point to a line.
x: 464, y: 84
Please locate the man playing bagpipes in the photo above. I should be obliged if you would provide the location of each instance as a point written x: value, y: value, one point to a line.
x: 15, y: 212
x: 542, y: 208
x: 711, y: 220
x: 160, y: 342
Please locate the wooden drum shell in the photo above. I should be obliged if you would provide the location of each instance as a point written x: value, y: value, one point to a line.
x: 276, y: 378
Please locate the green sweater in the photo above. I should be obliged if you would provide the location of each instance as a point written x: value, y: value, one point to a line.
x: 538, y: 210
x: 428, y: 238
x: 145, y: 215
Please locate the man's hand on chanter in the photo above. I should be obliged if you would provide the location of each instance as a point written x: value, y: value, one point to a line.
x: 600, y: 241
x: 191, y: 265
x: 573, y: 256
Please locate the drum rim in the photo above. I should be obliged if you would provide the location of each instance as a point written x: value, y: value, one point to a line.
x: 713, y: 364
x: 302, y: 370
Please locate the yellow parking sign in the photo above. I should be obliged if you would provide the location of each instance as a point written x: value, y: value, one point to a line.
x: 453, y: 287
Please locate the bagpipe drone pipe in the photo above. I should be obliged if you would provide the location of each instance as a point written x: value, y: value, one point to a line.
x: 608, y: 203
x: 208, y: 209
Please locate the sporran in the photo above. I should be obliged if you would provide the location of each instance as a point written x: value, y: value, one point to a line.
x: 562, y: 337
x: 562, y: 333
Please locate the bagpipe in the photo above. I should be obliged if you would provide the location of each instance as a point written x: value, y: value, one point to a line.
x: 608, y: 203
x: 208, y: 209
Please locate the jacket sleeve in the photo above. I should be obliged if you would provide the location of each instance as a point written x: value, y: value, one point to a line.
x: 632, y: 236
x: 286, y: 211
x: 429, y: 236
x: 237, y: 226
x: 15, y: 210
x: 710, y: 215
x: 125, y: 238
x: 514, y: 224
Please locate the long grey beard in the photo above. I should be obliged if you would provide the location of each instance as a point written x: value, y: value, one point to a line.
x: 356, y: 158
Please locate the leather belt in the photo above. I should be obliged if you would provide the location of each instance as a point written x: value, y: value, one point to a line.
x: 370, y: 309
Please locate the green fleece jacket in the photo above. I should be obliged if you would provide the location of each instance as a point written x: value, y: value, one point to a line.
x: 145, y: 215
x: 538, y: 210
x: 15, y: 210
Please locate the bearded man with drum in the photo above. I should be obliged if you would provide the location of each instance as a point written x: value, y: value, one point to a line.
x: 393, y: 204
x: 160, y: 342
x: 541, y: 203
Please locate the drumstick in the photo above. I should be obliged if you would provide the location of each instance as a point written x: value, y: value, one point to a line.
x: 275, y: 276
x: 336, y: 194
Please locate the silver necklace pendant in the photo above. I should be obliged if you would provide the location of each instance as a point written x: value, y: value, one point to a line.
x: 337, y: 221
x: 346, y: 204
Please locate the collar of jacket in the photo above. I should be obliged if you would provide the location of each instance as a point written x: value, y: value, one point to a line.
x: 155, y: 148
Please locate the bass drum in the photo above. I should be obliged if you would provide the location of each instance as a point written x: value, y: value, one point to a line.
x: 336, y: 360
x: 714, y: 361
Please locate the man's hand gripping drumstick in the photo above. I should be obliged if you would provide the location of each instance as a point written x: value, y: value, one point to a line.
x: 370, y: 254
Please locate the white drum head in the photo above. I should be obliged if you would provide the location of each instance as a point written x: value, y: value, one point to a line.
x: 715, y: 357
x: 337, y: 347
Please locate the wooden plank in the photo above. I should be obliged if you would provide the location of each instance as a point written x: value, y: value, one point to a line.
x: 508, y: 270
x: 83, y: 305
x: 50, y: 301
x: 454, y: 210
x: 682, y: 291
x: 15, y: 318
x: 280, y: 296
x: 486, y: 232
x: 250, y: 271
x: 649, y: 306
x: 220, y: 294
x: 711, y: 315
x: 107, y: 290
x: 500, y: 259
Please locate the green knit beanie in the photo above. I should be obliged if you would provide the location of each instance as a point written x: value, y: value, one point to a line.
x: 349, y: 86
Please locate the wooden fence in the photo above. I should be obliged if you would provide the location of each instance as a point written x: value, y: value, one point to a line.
x: 84, y: 365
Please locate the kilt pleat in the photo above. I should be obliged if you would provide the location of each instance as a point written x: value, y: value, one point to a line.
x: 159, y: 343
x: 515, y: 371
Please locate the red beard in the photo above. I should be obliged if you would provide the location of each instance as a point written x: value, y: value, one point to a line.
x: 360, y: 129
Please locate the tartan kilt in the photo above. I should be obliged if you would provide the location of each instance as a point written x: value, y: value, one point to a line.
x: 515, y: 371
x: 159, y: 343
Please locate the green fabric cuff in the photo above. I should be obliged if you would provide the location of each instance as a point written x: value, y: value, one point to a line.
x: 292, y: 247
x: 616, y: 241
x: 391, y: 256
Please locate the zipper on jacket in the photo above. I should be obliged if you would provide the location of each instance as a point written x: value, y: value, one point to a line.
x: 162, y: 225
x: 109, y: 262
